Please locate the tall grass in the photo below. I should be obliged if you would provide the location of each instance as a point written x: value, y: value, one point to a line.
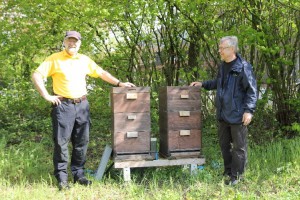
x: 273, y: 172
x: 275, y: 157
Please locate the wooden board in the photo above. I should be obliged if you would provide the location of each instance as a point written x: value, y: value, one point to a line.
x: 158, y: 163
x: 131, y: 122
x: 133, y: 157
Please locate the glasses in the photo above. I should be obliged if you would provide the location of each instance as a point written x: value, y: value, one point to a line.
x: 222, y: 48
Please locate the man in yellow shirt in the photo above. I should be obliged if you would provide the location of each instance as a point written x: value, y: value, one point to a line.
x: 70, y: 114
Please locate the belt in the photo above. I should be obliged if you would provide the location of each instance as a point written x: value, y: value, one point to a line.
x: 74, y: 101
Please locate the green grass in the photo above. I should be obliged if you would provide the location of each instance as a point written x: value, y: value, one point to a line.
x: 273, y: 173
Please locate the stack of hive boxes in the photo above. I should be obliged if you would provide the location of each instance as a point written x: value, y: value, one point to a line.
x: 131, y: 123
x: 179, y: 121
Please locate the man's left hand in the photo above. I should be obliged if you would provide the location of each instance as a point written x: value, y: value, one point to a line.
x: 127, y: 84
x: 247, y: 117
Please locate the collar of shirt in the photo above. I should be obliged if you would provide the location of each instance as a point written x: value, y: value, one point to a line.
x: 69, y: 56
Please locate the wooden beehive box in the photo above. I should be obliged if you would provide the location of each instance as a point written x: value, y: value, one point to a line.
x: 179, y: 121
x: 131, y: 123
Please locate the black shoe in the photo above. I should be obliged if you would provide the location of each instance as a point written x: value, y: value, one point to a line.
x: 63, y: 185
x: 232, y: 181
x: 83, y: 181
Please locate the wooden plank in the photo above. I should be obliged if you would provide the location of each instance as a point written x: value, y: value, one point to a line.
x: 117, y: 90
x: 104, y: 160
x: 120, y: 157
x: 187, y: 154
x: 158, y: 163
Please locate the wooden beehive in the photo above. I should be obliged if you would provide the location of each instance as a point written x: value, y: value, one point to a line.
x: 179, y: 121
x: 131, y: 123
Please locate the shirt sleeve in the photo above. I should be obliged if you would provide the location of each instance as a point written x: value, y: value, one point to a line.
x: 94, y: 69
x: 46, y: 68
x: 250, y: 86
x: 210, y: 85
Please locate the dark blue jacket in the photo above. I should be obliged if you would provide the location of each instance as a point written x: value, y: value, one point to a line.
x: 239, y: 94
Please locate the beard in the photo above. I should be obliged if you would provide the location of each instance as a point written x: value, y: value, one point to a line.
x: 72, y: 50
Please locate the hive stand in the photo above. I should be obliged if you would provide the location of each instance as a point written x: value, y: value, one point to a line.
x: 126, y: 165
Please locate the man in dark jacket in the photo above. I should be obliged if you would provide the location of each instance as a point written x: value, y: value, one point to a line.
x: 236, y: 101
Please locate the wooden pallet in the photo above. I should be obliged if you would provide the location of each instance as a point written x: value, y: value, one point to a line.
x: 126, y: 165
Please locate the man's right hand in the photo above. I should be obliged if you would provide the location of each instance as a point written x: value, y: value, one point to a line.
x: 53, y: 99
x: 196, y: 84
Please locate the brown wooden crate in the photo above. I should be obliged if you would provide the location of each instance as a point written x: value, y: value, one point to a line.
x: 117, y: 90
x: 179, y: 98
x: 120, y: 104
x: 180, y: 93
x: 123, y: 144
x: 172, y: 100
x: 175, y: 122
x: 122, y: 101
x: 172, y: 141
x: 131, y: 122
x: 179, y: 143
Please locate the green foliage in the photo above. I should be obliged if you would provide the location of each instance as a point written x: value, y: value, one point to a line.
x: 157, y: 43
x: 151, y: 43
x: 24, y: 162
x: 26, y: 170
x: 296, y: 127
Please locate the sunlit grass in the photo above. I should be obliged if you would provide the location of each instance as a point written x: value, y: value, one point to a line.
x: 273, y: 172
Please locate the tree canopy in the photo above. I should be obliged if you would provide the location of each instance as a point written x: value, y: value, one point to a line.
x: 162, y: 42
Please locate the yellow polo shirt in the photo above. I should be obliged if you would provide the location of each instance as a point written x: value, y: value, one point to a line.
x: 69, y: 73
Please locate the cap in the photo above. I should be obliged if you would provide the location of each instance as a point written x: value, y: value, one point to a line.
x: 73, y: 34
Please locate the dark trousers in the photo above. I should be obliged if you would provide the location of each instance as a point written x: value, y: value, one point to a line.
x: 233, y: 143
x: 70, y: 122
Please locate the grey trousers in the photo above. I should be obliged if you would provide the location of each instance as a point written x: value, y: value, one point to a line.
x: 233, y: 143
x: 71, y: 122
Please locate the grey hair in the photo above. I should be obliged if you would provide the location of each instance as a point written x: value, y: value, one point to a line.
x: 232, y: 41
